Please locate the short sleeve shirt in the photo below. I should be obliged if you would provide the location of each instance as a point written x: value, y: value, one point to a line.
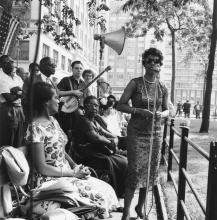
x: 7, y: 83
x: 64, y: 85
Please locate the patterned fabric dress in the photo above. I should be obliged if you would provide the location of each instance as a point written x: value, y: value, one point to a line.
x: 139, y: 135
x: 90, y: 191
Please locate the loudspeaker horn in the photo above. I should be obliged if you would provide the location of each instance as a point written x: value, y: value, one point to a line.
x: 115, y: 39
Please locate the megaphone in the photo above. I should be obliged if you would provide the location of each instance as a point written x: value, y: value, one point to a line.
x: 115, y: 40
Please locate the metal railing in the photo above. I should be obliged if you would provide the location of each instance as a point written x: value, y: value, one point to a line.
x: 209, y: 210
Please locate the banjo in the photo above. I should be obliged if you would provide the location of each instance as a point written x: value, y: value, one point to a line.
x: 71, y: 103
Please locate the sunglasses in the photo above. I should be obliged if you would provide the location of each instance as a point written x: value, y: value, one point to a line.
x: 151, y: 60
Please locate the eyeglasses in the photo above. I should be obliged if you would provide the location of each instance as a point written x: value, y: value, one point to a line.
x: 151, y: 60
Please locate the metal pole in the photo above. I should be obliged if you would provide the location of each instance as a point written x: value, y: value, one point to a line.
x: 150, y: 150
x: 211, y: 210
x: 182, y: 180
x: 170, y: 156
x: 18, y: 52
x: 163, y: 149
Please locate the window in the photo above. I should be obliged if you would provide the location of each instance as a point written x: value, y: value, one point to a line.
x: 55, y: 57
x: 130, y: 57
x: 110, y: 75
x: 120, y: 75
x: 22, y: 50
x: 69, y: 66
x: 45, y: 51
x: 120, y: 70
x: 63, y: 62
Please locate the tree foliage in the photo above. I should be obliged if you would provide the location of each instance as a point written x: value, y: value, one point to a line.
x: 61, y: 21
x: 177, y: 19
x: 196, y: 39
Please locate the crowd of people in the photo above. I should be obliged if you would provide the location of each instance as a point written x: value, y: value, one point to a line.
x: 67, y: 129
x: 186, y: 108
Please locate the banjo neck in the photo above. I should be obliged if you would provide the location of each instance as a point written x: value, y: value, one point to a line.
x: 97, y: 77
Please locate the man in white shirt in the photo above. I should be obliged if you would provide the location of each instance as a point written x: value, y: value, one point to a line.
x: 11, y: 112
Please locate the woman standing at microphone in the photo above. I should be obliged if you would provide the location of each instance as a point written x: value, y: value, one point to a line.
x: 141, y: 91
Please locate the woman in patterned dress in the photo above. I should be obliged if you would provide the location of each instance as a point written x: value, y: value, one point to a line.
x: 141, y: 91
x: 52, y: 162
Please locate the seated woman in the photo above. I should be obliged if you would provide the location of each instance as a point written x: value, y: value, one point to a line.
x: 51, y: 161
x: 111, y: 117
x: 96, y: 146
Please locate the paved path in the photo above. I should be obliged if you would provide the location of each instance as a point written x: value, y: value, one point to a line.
x: 152, y: 215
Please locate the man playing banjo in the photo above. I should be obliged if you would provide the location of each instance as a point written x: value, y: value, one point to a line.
x: 71, y: 106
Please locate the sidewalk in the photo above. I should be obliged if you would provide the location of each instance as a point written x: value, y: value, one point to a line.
x: 152, y: 215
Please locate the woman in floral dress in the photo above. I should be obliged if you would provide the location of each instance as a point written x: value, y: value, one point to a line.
x: 141, y: 91
x: 51, y: 161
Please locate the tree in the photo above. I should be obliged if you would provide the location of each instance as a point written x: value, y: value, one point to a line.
x: 60, y: 22
x: 196, y: 41
x: 164, y: 17
x: 206, y: 110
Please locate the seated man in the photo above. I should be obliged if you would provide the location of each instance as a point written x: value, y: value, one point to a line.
x: 96, y: 146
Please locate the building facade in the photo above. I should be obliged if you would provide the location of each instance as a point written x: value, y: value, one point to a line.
x: 24, y: 52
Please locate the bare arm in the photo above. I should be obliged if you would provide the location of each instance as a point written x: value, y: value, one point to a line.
x: 123, y: 105
x: 71, y: 162
x: 37, y: 151
x: 96, y: 138
x: 165, y: 108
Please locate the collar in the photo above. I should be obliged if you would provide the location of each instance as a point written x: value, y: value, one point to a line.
x: 43, y: 77
x: 77, y: 81
x: 8, y: 76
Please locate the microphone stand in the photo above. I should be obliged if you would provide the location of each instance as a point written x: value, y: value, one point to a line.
x: 150, y: 149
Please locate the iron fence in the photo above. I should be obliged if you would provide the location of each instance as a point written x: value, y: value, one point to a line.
x: 209, y: 210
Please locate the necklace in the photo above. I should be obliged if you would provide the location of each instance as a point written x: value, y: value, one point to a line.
x: 146, y: 90
x: 148, y: 80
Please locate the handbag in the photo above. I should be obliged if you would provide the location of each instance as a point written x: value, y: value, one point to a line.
x: 16, y: 165
x: 5, y: 201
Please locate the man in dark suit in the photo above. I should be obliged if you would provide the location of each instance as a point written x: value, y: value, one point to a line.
x: 38, y: 73
x: 186, y: 108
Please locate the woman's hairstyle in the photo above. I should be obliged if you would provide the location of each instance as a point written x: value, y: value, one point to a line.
x: 87, y: 71
x: 88, y: 98
x: 152, y: 51
x: 111, y: 97
x: 76, y: 62
x: 32, y: 66
x: 42, y: 93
